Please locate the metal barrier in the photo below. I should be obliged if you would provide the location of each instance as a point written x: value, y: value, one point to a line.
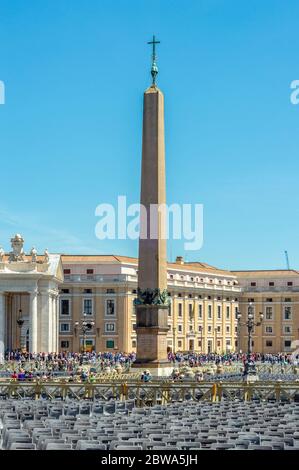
x: 147, y: 394
x: 264, y: 367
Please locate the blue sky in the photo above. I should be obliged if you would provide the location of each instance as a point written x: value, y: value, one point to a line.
x: 70, y: 130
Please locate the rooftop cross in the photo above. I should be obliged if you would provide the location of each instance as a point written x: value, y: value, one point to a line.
x: 154, y: 69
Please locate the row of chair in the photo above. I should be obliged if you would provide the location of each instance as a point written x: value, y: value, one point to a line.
x: 233, y: 425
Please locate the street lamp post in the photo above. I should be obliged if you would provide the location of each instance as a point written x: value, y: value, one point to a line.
x: 200, y: 328
x: 174, y: 338
x: 20, y: 321
x: 216, y: 344
x: 250, y: 324
x: 86, y: 325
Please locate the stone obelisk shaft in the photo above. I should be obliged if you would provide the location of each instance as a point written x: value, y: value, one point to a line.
x: 152, y: 248
x: 152, y: 313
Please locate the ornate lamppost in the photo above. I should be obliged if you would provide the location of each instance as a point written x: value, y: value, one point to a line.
x: 20, y: 320
x: 250, y: 324
x: 86, y: 325
x: 216, y: 340
x: 200, y: 328
x: 174, y: 339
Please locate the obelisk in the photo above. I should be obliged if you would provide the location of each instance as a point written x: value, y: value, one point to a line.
x: 152, y: 302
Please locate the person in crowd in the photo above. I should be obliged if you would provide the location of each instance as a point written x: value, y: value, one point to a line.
x: 146, y: 376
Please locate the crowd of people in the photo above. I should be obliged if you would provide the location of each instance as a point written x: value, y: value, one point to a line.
x: 68, y: 361
x: 195, y: 359
x: 24, y: 366
x: 85, y: 367
x: 23, y: 375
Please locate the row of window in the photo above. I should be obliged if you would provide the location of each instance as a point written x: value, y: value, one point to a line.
x: 201, y: 279
x: 110, y: 344
x: 272, y: 284
x: 287, y: 329
x: 200, y: 328
x: 268, y: 343
x: 110, y: 309
x: 287, y: 313
x: 67, y: 272
x: 90, y: 272
x: 287, y: 344
x: 87, y: 307
x: 269, y: 299
x: 89, y: 344
x: 66, y: 327
x: 191, y: 309
x: 208, y: 297
x: 87, y: 291
x: 209, y: 344
x: 134, y: 291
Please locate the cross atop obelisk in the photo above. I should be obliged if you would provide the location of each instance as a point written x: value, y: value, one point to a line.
x: 154, y: 69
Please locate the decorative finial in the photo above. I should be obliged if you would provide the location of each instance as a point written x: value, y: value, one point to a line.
x: 154, y: 69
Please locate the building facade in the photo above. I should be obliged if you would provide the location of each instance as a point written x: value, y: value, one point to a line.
x: 201, y: 317
x: 29, y: 289
x: 44, y: 299
x: 274, y: 293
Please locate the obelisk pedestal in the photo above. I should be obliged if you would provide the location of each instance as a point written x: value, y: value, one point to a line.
x: 152, y: 329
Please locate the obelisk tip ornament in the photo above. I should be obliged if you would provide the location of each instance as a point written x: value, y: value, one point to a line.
x: 154, y: 68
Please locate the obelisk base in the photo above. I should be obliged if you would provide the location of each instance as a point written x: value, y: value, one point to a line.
x: 152, y: 329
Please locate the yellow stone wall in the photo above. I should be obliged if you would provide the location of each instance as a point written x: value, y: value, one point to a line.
x: 190, y: 285
x: 125, y: 318
x: 263, y: 337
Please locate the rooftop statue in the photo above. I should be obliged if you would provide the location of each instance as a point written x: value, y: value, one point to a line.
x: 33, y: 254
x: 46, y: 256
x: 17, y: 253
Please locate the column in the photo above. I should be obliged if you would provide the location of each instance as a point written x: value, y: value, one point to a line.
x: 2, y: 327
x: 33, y: 322
x: 50, y: 323
x: 55, y: 324
x: 43, y: 318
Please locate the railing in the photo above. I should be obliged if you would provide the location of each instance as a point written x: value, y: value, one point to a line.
x: 42, y: 367
x: 261, y: 367
x: 203, y: 285
x: 152, y: 393
x: 130, y: 278
x: 95, y: 278
x: 282, y: 289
